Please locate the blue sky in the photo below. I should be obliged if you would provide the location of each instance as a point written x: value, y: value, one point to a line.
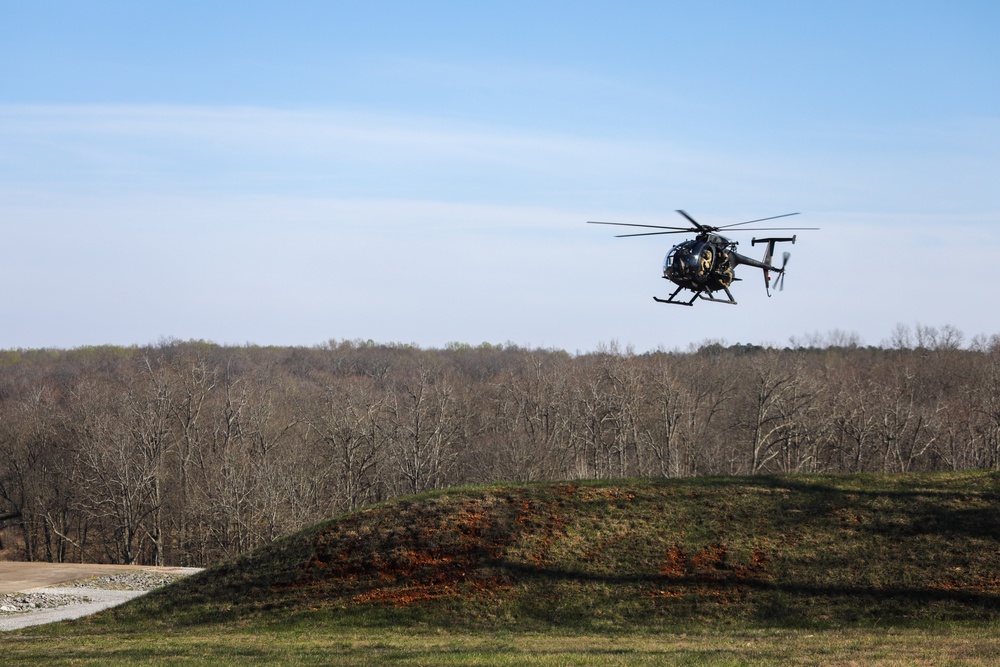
x: 290, y: 173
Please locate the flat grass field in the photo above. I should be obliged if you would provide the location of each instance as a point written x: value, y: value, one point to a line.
x: 314, y: 644
x: 803, y: 569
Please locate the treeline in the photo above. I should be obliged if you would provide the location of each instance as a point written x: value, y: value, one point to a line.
x: 184, y: 453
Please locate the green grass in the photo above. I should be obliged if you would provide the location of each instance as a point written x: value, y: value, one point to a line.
x: 763, y: 570
x: 307, y: 643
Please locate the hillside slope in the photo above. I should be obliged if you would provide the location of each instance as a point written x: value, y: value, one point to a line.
x: 796, y: 550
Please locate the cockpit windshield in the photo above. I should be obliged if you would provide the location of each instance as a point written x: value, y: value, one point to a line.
x: 677, y: 260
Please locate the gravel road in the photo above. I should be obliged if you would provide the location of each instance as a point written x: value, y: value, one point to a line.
x: 66, y: 601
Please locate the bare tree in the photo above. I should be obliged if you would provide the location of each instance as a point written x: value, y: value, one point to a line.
x: 903, y: 432
x: 668, y: 408
x: 349, y: 424
x: 425, y: 419
x: 122, y: 436
x: 777, y: 399
x: 36, y: 480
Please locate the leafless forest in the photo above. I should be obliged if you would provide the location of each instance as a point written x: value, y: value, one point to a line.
x: 184, y: 453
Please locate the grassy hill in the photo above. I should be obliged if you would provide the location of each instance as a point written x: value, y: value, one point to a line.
x: 798, y: 551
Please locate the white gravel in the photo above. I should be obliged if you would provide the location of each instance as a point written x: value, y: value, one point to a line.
x: 74, y: 600
x: 94, y: 601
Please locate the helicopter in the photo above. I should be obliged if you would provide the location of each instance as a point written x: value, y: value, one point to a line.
x: 705, y: 264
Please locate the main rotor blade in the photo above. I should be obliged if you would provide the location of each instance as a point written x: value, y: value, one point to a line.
x: 747, y: 222
x: 700, y: 227
x: 629, y: 224
x: 676, y: 231
x: 774, y: 229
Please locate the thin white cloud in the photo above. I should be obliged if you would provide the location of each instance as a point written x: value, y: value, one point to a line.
x: 296, y: 226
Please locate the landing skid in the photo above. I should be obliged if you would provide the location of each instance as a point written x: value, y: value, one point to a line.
x: 699, y: 294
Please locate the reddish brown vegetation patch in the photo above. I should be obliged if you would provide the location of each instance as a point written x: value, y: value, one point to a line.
x: 710, y: 564
x: 977, y: 586
x: 405, y: 596
x: 427, y: 555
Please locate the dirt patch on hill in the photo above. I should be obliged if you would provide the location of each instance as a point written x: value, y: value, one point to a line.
x: 17, y: 576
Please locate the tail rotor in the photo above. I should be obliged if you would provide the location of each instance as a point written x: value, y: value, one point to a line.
x: 780, y: 282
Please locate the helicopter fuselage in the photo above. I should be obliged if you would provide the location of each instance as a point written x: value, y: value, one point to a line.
x: 702, y: 263
x: 706, y: 263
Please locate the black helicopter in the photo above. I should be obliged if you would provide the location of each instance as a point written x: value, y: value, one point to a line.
x: 705, y: 265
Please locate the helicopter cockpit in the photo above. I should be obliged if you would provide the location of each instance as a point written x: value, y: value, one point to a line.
x: 688, y: 260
